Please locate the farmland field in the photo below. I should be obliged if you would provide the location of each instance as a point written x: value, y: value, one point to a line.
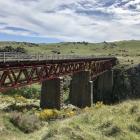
x: 127, y: 52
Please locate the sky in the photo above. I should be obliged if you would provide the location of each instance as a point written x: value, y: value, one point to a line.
x: 47, y: 21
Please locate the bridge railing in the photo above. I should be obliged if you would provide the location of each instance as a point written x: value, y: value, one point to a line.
x: 12, y: 56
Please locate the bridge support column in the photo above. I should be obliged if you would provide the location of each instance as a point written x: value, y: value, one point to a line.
x: 81, y: 89
x: 103, y: 87
x: 52, y: 94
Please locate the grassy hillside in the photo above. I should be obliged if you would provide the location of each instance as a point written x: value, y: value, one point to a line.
x: 100, y: 122
x: 127, y: 51
x: 22, y: 119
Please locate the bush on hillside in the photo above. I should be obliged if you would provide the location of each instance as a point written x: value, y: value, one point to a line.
x: 12, y: 49
x: 20, y: 49
x: 25, y: 122
x: 48, y: 114
x: 27, y: 92
x: 112, y: 131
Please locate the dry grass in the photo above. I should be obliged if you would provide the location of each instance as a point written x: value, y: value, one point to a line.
x: 119, y: 122
x: 25, y: 122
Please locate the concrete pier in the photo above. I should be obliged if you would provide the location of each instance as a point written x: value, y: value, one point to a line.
x: 103, y: 87
x: 52, y: 94
x: 81, y: 90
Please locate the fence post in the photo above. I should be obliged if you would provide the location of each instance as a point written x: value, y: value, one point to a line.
x: 38, y: 56
x: 4, y: 57
x: 18, y: 59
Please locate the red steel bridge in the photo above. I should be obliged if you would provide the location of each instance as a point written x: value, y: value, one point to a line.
x: 17, y: 70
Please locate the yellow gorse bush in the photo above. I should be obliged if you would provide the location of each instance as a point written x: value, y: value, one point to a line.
x: 20, y: 99
x: 86, y: 109
x: 6, y: 99
x: 70, y: 113
x: 48, y: 114
x: 99, y: 104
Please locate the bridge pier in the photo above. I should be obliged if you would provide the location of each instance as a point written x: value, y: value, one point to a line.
x: 103, y: 87
x: 52, y: 94
x: 81, y: 89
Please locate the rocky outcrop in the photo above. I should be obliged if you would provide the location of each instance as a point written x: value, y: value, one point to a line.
x: 126, y: 83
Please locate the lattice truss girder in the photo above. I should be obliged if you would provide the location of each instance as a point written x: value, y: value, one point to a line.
x: 13, y: 77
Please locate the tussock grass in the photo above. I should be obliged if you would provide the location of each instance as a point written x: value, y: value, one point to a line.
x: 134, y: 128
x: 105, y: 123
x: 114, y: 122
x: 138, y: 119
x: 134, y: 109
x: 25, y: 122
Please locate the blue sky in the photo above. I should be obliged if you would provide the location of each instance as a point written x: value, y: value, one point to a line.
x: 20, y: 38
x: 69, y: 20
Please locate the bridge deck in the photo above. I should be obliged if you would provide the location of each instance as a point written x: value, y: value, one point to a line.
x: 17, y: 59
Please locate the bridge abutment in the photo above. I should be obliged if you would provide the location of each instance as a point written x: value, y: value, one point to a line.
x: 81, y: 89
x: 103, y: 87
x: 52, y: 94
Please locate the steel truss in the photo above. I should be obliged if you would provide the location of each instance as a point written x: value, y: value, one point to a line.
x: 22, y: 75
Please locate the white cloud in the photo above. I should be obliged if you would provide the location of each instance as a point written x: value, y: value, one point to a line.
x: 72, y: 20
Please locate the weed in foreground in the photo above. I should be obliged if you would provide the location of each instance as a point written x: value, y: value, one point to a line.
x: 134, y: 128
x: 134, y: 109
x: 25, y: 122
x: 112, y: 131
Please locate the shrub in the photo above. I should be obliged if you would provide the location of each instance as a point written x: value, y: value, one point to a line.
x: 70, y: 113
x: 20, y: 99
x: 134, y: 109
x: 106, y: 124
x: 112, y: 131
x: 26, y: 92
x: 25, y: 122
x: 138, y: 119
x: 12, y: 49
x: 30, y: 93
x: 52, y: 132
x: 109, y: 129
x: 20, y: 49
x: 7, y: 49
x: 48, y: 114
x: 98, y: 104
x: 134, y: 128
